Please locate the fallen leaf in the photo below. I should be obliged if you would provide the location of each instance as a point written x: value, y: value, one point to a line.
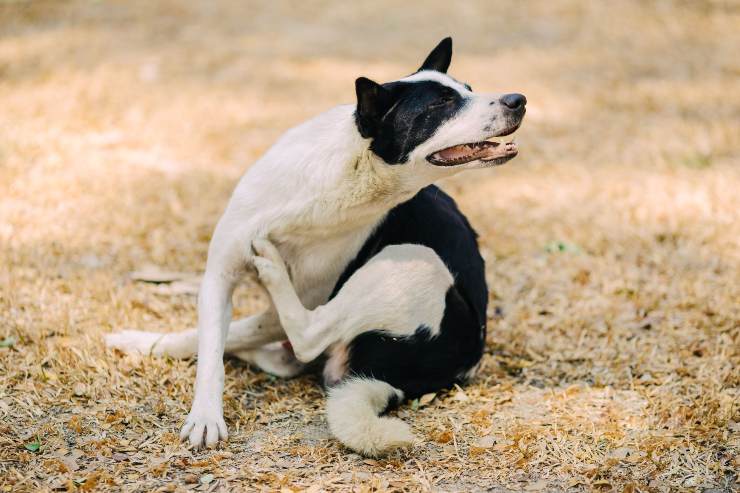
x: 157, y: 275
x: 461, y: 396
x: 33, y: 446
x: 427, y: 398
x: 486, y: 442
x: 8, y: 342
x: 190, y: 478
x: 575, y: 482
x: 443, y: 436
x: 504, y: 444
x: 536, y: 486
x: 206, y: 478
x: 68, y: 461
x: 189, y: 286
x: 90, y: 482
x: 627, y: 454
x: 79, y: 389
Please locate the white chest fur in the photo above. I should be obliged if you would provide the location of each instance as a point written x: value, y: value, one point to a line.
x: 315, y: 266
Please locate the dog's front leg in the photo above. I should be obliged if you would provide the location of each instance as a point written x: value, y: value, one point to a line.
x: 227, y: 257
x: 206, y: 413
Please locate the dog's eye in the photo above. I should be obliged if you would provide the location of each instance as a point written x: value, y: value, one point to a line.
x: 443, y: 101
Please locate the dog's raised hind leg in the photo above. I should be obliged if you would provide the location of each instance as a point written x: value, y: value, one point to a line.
x: 294, y: 317
x: 399, y: 290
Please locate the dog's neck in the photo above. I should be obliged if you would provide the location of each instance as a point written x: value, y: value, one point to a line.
x: 322, y: 180
x: 346, y: 185
x: 357, y: 200
x: 375, y: 185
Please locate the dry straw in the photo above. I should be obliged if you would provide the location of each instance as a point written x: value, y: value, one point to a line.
x: 612, y: 242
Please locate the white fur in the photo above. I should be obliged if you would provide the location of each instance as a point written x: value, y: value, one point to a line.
x: 274, y: 358
x: 443, y: 79
x: 249, y: 332
x: 317, y: 193
x: 400, y: 289
x: 337, y: 362
x: 352, y: 410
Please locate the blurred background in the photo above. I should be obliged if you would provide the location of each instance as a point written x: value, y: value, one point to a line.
x: 612, y: 241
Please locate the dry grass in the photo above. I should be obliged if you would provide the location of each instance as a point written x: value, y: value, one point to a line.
x: 613, y: 241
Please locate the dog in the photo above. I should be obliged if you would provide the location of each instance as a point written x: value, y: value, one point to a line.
x: 370, y: 268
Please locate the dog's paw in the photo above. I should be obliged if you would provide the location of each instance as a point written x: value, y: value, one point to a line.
x: 263, y: 248
x: 204, y: 426
x: 135, y: 341
x: 268, y: 262
x: 269, y: 273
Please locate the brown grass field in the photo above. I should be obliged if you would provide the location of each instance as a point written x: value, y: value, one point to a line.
x: 612, y: 241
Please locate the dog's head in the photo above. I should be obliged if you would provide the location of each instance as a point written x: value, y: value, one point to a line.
x: 432, y: 119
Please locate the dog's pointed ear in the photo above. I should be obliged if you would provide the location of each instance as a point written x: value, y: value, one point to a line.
x: 440, y: 57
x: 373, y: 101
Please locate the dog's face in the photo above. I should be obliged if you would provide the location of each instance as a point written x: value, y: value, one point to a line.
x: 431, y: 119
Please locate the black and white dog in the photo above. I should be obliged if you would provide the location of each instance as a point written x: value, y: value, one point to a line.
x: 366, y: 262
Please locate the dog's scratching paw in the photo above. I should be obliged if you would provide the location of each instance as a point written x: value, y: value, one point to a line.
x: 268, y: 262
x: 264, y: 248
x: 134, y: 341
x: 266, y: 270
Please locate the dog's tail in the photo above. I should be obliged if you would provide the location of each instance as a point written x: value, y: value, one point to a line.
x: 353, y: 410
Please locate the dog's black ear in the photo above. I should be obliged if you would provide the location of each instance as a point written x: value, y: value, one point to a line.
x: 440, y: 57
x: 373, y: 101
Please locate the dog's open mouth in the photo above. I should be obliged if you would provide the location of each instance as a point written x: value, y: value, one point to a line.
x: 489, y: 152
x: 486, y: 151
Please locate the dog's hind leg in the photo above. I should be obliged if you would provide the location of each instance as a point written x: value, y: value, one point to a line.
x: 399, y: 290
x: 276, y: 358
x: 248, y: 333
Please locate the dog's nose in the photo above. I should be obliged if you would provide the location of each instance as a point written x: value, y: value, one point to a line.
x: 513, y: 101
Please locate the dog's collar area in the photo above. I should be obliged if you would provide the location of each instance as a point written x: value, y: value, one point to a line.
x: 486, y: 151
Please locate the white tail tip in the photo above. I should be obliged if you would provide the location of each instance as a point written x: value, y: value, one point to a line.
x: 353, y: 409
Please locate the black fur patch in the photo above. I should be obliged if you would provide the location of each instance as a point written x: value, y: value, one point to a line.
x: 398, y: 116
x: 440, y: 57
x: 416, y: 111
x: 420, y: 364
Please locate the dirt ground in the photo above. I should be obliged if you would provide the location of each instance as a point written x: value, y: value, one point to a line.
x: 612, y: 241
